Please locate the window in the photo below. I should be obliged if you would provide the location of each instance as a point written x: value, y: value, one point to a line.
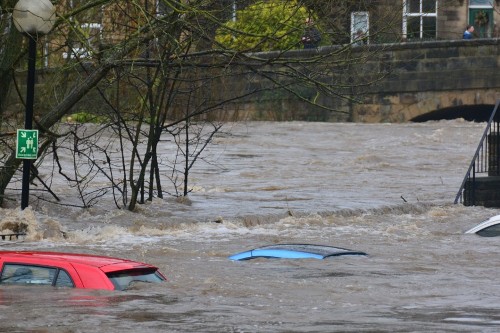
x: 34, y: 275
x: 481, y: 17
x: 360, y: 25
x: 419, y: 19
x: 491, y: 231
x: 90, y: 35
x: 86, y: 31
x: 124, y: 279
x: 63, y: 280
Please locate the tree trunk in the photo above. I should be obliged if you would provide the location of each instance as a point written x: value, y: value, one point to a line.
x: 9, y: 54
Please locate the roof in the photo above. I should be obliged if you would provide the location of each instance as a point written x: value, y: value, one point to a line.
x: 294, y: 251
x: 84, y: 259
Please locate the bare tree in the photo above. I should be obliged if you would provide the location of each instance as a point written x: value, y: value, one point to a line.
x: 159, y: 87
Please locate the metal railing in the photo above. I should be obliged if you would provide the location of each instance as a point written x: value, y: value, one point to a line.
x: 485, y: 160
x: 12, y: 235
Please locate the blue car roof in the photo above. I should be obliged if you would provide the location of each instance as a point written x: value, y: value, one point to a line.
x: 294, y: 251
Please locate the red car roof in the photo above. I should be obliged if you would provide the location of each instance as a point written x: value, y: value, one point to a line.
x: 106, y: 264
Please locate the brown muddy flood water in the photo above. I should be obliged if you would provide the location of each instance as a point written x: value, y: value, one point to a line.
x: 385, y: 189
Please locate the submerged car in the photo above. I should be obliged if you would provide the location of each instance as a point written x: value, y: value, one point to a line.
x: 295, y: 251
x: 488, y: 228
x: 73, y: 270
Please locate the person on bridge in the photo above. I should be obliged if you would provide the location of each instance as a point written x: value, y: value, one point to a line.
x: 468, y: 32
x: 311, y: 37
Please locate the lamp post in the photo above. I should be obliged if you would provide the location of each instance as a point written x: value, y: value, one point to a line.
x: 32, y: 18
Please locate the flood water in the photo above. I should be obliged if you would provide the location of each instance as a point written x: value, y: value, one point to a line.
x: 384, y: 189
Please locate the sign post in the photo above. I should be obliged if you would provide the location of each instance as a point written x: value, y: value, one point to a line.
x: 27, y: 144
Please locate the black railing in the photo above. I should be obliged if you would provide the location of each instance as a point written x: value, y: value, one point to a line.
x: 485, y: 160
x: 12, y: 236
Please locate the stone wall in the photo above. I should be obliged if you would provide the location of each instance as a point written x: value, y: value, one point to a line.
x: 430, y: 76
x: 420, y: 78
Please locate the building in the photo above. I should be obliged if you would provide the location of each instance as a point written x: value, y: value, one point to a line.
x: 414, y: 20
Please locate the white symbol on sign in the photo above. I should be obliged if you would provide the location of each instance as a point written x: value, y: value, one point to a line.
x: 29, y: 143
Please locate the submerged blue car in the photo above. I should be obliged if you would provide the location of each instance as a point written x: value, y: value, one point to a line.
x: 295, y: 251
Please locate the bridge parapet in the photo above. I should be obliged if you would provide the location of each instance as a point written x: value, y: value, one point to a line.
x: 421, y: 79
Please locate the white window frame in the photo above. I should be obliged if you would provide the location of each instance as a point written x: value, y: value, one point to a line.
x: 420, y: 14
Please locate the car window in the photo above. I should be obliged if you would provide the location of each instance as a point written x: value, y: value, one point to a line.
x: 34, y: 275
x: 16, y: 274
x: 123, y: 279
x: 490, y: 231
x: 63, y: 280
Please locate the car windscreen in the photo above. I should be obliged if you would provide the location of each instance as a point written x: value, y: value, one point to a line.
x: 123, y: 279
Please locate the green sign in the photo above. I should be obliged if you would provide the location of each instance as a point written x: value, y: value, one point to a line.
x: 27, y: 144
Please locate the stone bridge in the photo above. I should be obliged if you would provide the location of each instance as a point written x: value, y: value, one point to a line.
x: 426, y: 81
x: 434, y: 80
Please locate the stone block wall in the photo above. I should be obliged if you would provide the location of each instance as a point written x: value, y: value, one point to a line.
x: 429, y: 76
x: 414, y: 79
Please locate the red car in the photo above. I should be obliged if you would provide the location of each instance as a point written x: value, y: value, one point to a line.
x: 73, y: 270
